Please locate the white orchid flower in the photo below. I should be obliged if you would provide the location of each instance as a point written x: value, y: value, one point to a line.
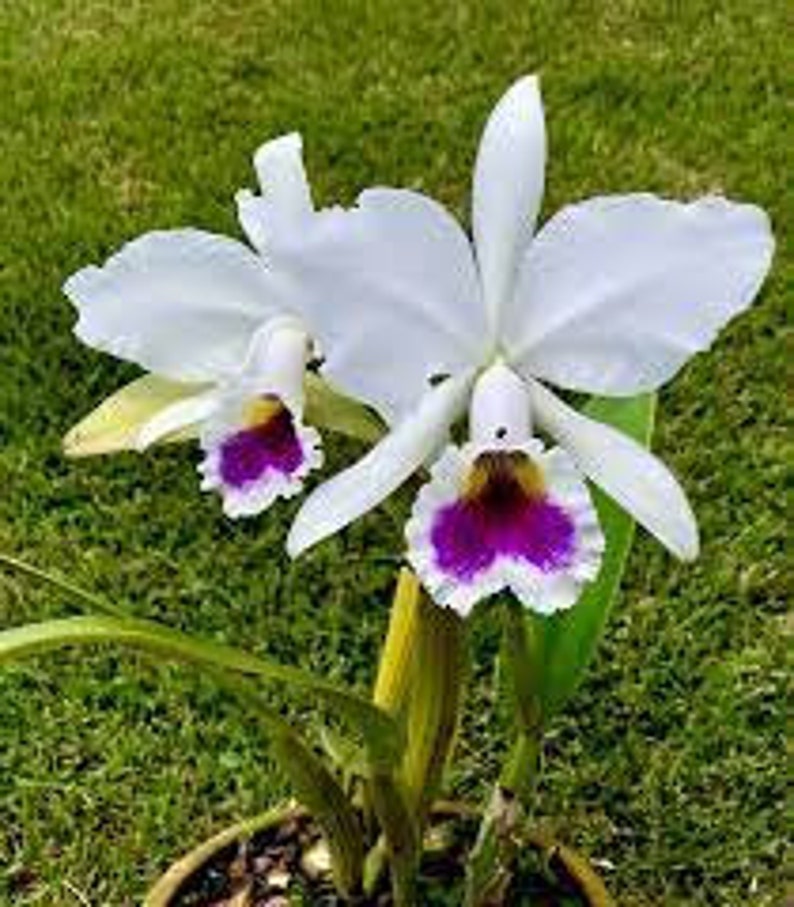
x: 611, y: 297
x: 201, y: 308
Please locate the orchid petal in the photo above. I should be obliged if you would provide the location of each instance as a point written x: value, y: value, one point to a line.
x: 180, y: 303
x: 637, y: 480
x: 286, y: 196
x: 401, y: 270
x: 478, y: 526
x: 508, y: 189
x: 363, y: 486
x: 617, y: 293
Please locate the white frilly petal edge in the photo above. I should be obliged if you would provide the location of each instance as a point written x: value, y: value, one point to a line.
x: 508, y: 189
x: 352, y: 493
x: 538, y: 591
x: 637, y: 480
x: 257, y: 496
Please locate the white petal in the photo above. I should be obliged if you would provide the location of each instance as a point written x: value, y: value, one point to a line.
x: 391, y: 293
x: 363, y: 486
x: 508, y: 189
x: 180, y: 415
x: 286, y: 196
x: 617, y: 293
x: 180, y: 303
x: 639, y: 482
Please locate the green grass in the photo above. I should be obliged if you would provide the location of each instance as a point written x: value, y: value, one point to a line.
x: 117, y: 118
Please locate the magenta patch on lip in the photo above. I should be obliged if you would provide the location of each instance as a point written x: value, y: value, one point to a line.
x: 271, y: 446
x: 503, y: 516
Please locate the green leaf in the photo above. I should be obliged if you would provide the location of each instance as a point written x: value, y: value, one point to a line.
x: 395, y: 668
x: 378, y: 730
x: 328, y: 408
x: 400, y: 833
x: 435, y: 696
x: 565, y: 642
x: 321, y: 794
x: 317, y: 789
x: 115, y: 424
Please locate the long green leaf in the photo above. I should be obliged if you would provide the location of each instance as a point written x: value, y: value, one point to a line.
x: 435, y: 698
x: 63, y: 585
x: 377, y: 728
x: 400, y: 834
x: 322, y: 795
x: 317, y: 789
x: 567, y: 641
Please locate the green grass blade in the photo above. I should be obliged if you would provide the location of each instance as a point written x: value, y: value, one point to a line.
x: 376, y: 727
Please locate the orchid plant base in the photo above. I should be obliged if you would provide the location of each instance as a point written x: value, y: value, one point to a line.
x: 477, y: 857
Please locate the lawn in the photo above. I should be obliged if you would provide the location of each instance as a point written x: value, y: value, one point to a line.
x: 669, y: 764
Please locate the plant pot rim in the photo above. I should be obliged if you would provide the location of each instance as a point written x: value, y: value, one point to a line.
x: 174, y: 878
x: 167, y: 887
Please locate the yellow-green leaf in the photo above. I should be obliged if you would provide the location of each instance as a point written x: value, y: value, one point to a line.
x: 395, y: 674
x: 330, y: 409
x: 114, y: 425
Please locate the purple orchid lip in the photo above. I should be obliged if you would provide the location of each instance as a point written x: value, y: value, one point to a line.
x: 504, y: 513
x: 271, y: 445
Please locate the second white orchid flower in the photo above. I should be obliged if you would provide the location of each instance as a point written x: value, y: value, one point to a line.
x: 611, y: 297
x: 202, y: 309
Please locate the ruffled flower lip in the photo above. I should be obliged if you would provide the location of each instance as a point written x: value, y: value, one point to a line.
x: 512, y: 517
x: 504, y: 513
x: 257, y: 454
x: 269, y: 444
